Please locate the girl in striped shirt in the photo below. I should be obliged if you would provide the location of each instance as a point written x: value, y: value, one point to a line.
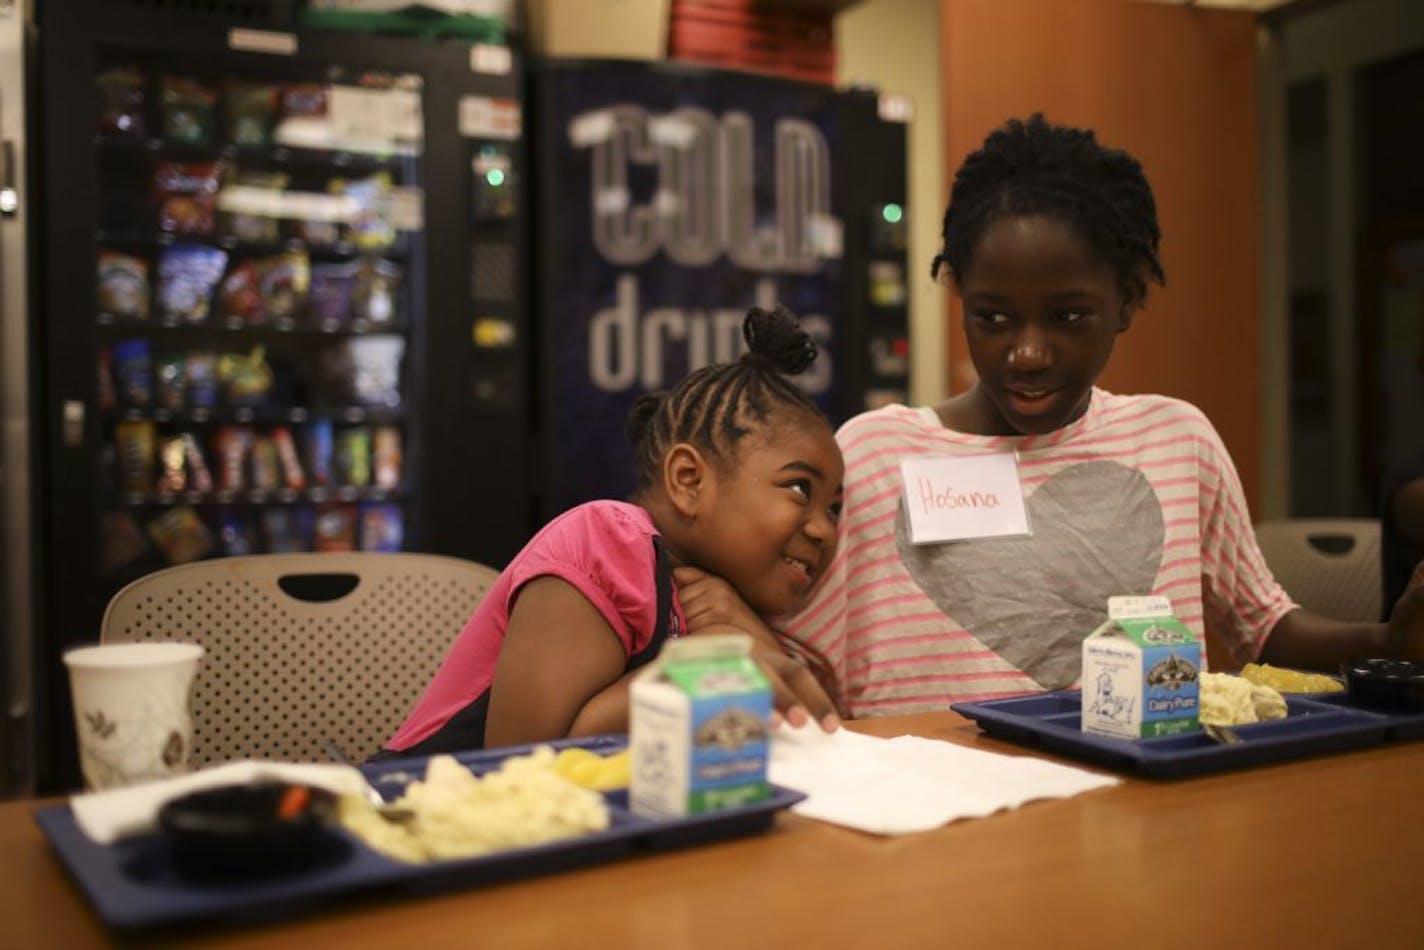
x: 1051, y: 241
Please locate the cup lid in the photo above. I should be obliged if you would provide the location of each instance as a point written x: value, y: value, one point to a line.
x: 115, y: 656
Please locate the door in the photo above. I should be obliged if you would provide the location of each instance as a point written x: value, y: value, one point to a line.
x: 16, y: 664
x: 1176, y: 86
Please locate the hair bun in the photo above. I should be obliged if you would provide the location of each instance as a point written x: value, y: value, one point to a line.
x: 775, y: 339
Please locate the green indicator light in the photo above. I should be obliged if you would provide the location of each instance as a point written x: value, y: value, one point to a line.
x: 495, y: 177
x: 892, y: 213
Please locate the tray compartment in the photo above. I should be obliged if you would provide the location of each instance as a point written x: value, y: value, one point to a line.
x: 1401, y: 724
x: 667, y: 834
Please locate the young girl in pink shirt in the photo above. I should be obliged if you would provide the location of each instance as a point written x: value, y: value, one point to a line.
x: 739, y: 485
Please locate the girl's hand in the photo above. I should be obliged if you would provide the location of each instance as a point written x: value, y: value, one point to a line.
x: 708, y: 600
x: 796, y: 694
x: 1406, y: 622
x: 711, y: 605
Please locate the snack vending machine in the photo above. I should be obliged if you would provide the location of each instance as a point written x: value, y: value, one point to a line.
x: 669, y: 199
x: 279, y: 304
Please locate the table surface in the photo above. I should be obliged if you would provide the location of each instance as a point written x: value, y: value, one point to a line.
x: 1317, y: 852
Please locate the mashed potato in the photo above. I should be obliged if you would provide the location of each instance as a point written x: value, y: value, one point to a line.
x: 1232, y: 701
x: 456, y: 815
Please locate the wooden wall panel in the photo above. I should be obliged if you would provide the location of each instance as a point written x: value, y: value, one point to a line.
x: 1177, y: 87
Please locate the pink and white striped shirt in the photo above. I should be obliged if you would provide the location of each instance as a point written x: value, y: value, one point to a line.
x: 1137, y: 496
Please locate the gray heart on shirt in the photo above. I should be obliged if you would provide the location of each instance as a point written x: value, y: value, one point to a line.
x: 1097, y: 532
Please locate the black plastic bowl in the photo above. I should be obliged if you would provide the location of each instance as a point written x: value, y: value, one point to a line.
x: 254, y: 830
x: 1392, y: 684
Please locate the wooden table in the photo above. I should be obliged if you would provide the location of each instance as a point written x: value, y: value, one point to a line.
x: 1322, y: 852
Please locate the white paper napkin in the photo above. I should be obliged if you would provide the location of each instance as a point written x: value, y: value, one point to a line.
x: 109, y: 815
x: 906, y: 784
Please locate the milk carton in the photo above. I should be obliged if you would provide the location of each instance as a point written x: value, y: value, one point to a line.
x: 699, y: 728
x: 1140, y: 671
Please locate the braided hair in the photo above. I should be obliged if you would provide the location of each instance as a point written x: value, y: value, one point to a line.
x: 717, y: 405
x: 1034, y: 167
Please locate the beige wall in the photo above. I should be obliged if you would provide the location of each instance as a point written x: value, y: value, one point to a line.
x: 893, y: 45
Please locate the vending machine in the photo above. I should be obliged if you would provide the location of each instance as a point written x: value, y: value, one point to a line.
x: 668, y: 200
x: 279, y: 304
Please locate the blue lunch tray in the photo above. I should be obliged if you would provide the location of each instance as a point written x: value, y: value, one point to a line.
x: 134, y: 883
x: 1315, y: 724
x: 1399, y: 723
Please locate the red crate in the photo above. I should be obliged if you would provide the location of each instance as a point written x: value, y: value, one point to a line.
x: 741, y: 34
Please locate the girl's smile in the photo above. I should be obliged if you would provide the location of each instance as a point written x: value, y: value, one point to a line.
x: 801, y: 570
x: 1031, y: 402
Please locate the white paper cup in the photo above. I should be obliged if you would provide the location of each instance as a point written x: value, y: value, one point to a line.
x: 131, y: 710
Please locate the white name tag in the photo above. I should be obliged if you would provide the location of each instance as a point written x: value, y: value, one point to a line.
x: 954, y: 498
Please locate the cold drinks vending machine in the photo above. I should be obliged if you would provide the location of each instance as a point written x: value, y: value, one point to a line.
x: 669, y: 199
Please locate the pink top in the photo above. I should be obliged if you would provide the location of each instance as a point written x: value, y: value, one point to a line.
x: 1138, y: 496
x: 610, y: 552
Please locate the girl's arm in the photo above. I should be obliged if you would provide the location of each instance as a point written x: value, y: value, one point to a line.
x: 605, y: 712
x: 794, y: 689
x: 1310, y: 641
x: 711, y: 605
x: 559, y: 655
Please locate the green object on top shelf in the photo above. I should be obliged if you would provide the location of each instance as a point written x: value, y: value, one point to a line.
x: 414, y: 20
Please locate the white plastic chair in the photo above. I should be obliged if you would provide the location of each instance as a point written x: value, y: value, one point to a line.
x: 303, y: 649
x: 1330, y: 566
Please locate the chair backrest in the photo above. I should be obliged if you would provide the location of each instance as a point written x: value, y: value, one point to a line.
x: 303, y: 648
x: 1330, y: 566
